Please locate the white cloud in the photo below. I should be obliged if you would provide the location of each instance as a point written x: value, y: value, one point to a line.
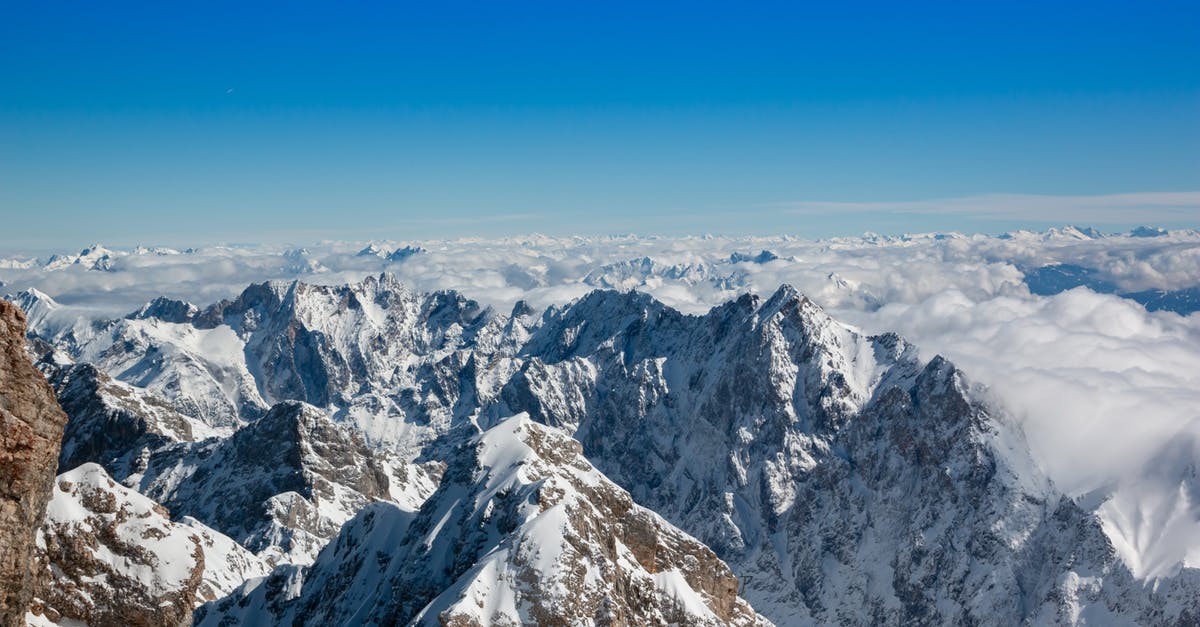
x: 1103, y: 388
x: 1099, y: 382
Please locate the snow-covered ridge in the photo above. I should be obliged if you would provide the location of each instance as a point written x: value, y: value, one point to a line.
x: 522, y: 531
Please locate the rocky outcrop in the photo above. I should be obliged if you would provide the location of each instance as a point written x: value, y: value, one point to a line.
x: 116, y: 558
x: 523, y: 530
x: 31, y: 426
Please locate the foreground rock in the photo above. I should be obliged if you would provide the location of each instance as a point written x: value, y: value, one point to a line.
x: 31, y: 426
x: 523, y: 530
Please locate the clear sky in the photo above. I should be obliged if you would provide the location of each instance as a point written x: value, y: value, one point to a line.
x: 193, y: 122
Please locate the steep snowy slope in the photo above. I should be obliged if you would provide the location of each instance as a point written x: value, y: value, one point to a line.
x: 201, y: 372
x: 522, y: 531
x: 1154, y: 521
x: 114, y: 557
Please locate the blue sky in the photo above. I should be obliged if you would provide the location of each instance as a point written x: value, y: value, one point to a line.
x: 183, y: 123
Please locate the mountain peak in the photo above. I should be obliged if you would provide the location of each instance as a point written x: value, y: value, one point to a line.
x: 32, y: 299
x: 788, y: 300
x: 167, y: 310
x: 764, y: 256
x: 1148, y: 231
x: 610, y: 298
x: 400, y: 254
x: 372, y: 250
x: 784, y: 293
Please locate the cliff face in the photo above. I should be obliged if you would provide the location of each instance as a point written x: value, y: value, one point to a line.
x: 31, y: 428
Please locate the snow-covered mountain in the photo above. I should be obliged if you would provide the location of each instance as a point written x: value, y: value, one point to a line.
x: 94, y: 257
x: 632, y: 273
x: 281, y: 486
x: 201, y: 372
x: 843, y: 478
x: 523, y: 530
x: 1065, y: 233
x: 388, y: 254
x: 115, y: 557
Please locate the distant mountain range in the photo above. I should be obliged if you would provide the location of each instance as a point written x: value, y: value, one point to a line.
x: 1148, y: 265
x: 1052, y: 279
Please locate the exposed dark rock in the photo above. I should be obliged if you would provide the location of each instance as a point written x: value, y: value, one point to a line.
x: 111, y: 423
x: 274, y: 484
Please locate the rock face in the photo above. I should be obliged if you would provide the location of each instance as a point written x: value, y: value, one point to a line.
x: 523, y: 530
x: 282, y: 485
x: 112, y: 423
x: 116, y: 558
x: 31, y: 425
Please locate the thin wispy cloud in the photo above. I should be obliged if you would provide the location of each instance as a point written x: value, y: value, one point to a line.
x: 455, y: 221
x: 1102, y: 209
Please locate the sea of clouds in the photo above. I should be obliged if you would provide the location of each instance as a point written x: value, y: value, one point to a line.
x: 1108, y: 392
